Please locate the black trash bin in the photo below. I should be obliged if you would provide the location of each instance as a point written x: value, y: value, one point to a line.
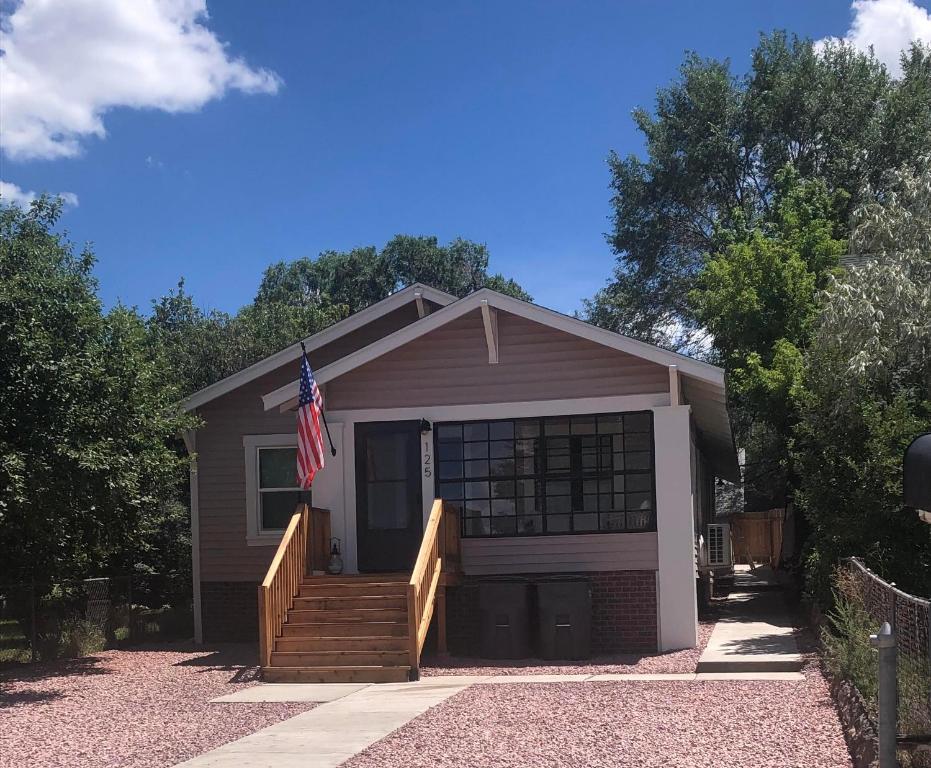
x: 564, y: 617
x: 504, y: 618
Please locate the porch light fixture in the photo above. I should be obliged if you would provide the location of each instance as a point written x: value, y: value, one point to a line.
x: 425, y: 426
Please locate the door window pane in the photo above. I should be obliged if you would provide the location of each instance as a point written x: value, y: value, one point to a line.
x: 389, y: 505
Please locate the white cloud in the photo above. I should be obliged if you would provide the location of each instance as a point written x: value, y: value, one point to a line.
x: 889, y: 26
x: 14, y: 195
x: 65, y: 63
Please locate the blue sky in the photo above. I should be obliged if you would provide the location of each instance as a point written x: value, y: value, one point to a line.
x: 361, y: 120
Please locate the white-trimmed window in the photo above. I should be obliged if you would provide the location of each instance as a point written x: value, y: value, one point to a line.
x: 272, y: 492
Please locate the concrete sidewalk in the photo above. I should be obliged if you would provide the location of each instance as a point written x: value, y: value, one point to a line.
x: 755, y: 633
x: 330, y: 734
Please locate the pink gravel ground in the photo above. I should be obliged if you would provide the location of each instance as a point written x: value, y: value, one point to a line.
x: 665, y: 663
x: 623, y: 725
x: 139, y: 708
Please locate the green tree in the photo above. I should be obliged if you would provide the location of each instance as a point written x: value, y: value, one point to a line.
x: 206, y: 346
x: 867, y: 391
x: 358, y: 278
x: 716, y: 145
x: 756, y: 296
x: 88, y: 426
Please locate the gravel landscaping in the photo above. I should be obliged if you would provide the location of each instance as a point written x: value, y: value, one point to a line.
x: 659, y: 663
x: 623, y: 725
x: 139, y: 708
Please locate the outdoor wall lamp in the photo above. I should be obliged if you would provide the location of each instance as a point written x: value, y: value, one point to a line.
x: 425, y: 426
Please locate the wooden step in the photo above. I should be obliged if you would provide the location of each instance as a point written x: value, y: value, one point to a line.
x: 351, y: 602
x: 357, y: 588
x: 355, y: 674
x: 359, y: 615
x: 340, y: 658
x: 315, y: 644
x: 345, y: 629
x: 352, y: 578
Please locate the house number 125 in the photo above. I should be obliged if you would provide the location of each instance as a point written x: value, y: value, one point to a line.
x: 427, y: 460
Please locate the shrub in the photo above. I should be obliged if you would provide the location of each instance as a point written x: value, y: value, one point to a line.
x: 71, y: 639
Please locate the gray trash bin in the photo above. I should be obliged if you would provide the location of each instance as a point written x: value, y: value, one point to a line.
x: 504, y: 618
x: 564, y: 617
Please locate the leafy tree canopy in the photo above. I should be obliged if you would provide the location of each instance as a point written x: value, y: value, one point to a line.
x: 87, y: 422
x: 360, y: 277
x: 867, y: 390
x: 716, y: 145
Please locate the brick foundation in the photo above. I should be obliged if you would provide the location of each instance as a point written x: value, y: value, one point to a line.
x: 230, y: 611
x: 624, y: 613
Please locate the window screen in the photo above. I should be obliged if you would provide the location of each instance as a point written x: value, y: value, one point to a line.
x: 554, y: 475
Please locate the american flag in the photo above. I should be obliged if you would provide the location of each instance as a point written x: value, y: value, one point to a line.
x: 309, y: 436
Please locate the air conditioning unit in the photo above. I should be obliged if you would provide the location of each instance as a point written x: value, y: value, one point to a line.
x: 719, y: 544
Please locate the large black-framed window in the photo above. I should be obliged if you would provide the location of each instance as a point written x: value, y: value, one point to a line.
x: 590, y: 473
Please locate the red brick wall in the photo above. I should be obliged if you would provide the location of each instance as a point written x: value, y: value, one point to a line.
x: 623, y: 613
x: 230, y: 611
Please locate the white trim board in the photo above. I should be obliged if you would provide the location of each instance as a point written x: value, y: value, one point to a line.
x: 416, y: 292
x: 283, y: 396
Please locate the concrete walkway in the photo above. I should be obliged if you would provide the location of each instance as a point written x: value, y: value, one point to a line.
x: 755, y: 633
x: 330, y: 734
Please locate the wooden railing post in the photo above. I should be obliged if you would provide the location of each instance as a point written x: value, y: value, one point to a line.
x: 282, y: 582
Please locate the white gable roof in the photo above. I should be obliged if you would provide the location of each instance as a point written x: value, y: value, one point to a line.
x: 331, y: 333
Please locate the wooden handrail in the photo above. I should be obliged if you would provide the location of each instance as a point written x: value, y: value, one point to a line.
x: 439, y: 553
x: 306, y: 536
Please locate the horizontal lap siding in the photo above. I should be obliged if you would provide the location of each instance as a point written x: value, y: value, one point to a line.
x: 449, y: 366
x: 225, y: 556
x: 563, y: 554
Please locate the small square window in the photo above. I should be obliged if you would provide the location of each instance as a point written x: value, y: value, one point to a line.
x: 502, y: 507
x: 477, y: 526
x: 449, y: 432
x: 475, y: 450
x: 476, y: 490
x: 558, y: 523
x: 450, y: 470
x: 475, y: 431
x: 476, y: 469
x: 527, y: 428
x: 501, y: 430
x: 451, y: 490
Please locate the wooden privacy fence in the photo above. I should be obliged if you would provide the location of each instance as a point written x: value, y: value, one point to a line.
x: 757, y: 536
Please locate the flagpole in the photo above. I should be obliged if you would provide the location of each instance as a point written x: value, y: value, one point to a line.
x: 322, y: 413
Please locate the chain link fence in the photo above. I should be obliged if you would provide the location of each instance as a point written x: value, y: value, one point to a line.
x: 910, y: 618
x: 41, y: 621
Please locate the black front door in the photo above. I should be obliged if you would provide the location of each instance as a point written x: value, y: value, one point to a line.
x: 389, y: 498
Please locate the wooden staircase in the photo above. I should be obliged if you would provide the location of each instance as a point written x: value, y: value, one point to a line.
x: 345, y: 629
x: 366, y: 628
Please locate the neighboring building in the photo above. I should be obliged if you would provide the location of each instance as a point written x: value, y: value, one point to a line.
x: 563, y: 447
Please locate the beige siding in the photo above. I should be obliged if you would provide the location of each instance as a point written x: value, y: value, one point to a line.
x: 449, y: 366
x: 225, y: 556
x: 548, y: 554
